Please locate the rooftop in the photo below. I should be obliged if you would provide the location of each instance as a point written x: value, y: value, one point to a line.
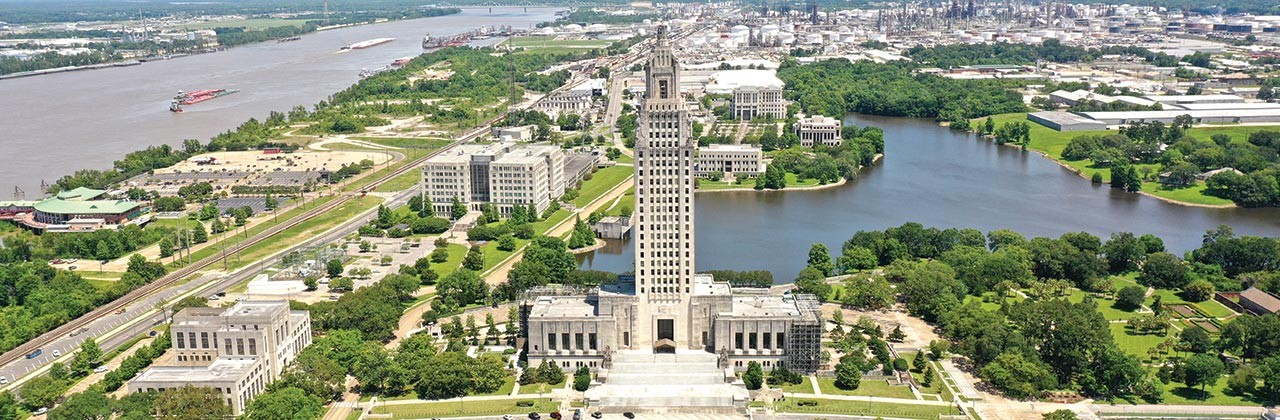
x: 562, y: 307
x: 727, y: 80
x: 81, y: 193
x: 59, y: 205
x: 221, y: 369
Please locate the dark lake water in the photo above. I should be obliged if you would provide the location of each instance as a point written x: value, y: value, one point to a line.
x: 939, y: 178
x: 55, y: 124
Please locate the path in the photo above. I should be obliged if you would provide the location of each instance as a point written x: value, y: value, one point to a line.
x: 741, y: 133
x: 111, y: 365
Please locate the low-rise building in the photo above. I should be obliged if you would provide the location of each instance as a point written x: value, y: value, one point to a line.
x: 818, y: 129
x: 735, y: 159
x: 80, y: 209
x: 503, y: 174
x: 237, y: 351
x: 751, y: 102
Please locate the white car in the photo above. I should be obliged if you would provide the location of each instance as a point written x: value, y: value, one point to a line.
x: 4, y: 380
x: 100, y: 369
x: 40, y: 411
x: 57, y: 353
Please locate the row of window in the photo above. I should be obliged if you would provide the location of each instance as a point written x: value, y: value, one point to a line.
x: 754, y: 341
x: 565, y: 343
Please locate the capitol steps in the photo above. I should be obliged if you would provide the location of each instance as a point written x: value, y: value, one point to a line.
x: 684, y: 382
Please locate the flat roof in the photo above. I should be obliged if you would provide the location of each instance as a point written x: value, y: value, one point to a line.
x: 763, y: 306
x: 221, y: 369
x: 562, y: 307
x: 1212, y: 113
x: 1193, y: 98
x: 1063, y: 118
x: 730, y: 148
x: 1233, y: 105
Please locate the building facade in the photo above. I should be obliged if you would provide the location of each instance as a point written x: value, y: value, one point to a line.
x: 751, y: 102
x: 237, y: 350
x: 818, y: 129
x: 735, y: 159
x: 80, y: 209
x: 503, y: 174
x: 666, y: 307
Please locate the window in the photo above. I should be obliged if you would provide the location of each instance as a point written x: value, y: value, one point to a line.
x: 240, y: 346
x: 754, y: 342
x: 768, y: 340
x: 564, y: 340
x: 781, y: 339
x: 626, y: 338
x: 181, y: 341
x: 737, y: 341
x: 228, y: 341
x: 551, y: 341
x: 253, y: 346
x: 204, y: 340
x: 591, y: 341
x: 577, y: 339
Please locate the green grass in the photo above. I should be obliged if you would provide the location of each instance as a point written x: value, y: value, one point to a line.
x: 545, y: 225
x: 804, y: 387
x: 1106, y: 305
x: 181, y: 223
x: 601, y: 182
x: 865, y: 408
x: 1135, y: 344
x: 541, y: 388
x: 245, y: 23
x: 307, y: 229
x: 874, y: 388
x: 550, y: 41
x: 467, y: 409
x: 215, y: 247
x: 939, y: 386
x: 1052, y: 142
x: 456, y: 253
x: 400, y: 183
x: 1178, y: 393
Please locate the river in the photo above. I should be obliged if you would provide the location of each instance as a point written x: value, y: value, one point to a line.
x: 55, y: 124
x: 939, y: 178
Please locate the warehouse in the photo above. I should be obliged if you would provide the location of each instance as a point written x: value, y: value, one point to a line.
x: 1065, y: 121
x: 1218, y: 116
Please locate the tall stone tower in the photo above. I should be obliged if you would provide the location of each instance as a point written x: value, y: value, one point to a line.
x: 664, y: 246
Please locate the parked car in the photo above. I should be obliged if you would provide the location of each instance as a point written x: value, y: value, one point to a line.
x: 597, y: 414
x: 119, y: 311
x: 534, y: 416
x: 35, y: 354
x: 40, y: 411
x: 79, y: 331
x: 556, y: 415
x: 628, y: 415
x: 4, y: 380
x: 100, y: 369
x: 57, y: 353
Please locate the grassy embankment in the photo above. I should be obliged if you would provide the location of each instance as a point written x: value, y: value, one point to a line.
x: 466, y: 409
x: 1051, y: 142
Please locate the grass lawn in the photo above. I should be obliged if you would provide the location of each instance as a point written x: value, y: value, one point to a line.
x: 456, y: 253
x: 545, y: 225
x: 1052, y: 142
x: 1178, y: 393
x: 628, y: 200
x: 468, y: 409
x: 1209, y: 307
x: 865, y: 408
x: 250, y: 24
x: 792, y: 181
x: 307, y: 229
x: 551, y: 41
x: 541, y: 388
x: 1106, y: 305
x: 182, y: 223
x: 601, y: 181
x: 1135, y: 344
x: 400, y: 183
x: 938, y: 387
x: 253, y: 230
x: 804, y: 387
x: 874, y: 388
x: 508, y: 384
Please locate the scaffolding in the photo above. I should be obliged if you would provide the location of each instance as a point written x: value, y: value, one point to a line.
x: 804, y: 343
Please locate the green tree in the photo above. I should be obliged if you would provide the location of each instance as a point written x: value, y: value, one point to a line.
x: 1063, y: 414
x: 198, y: 234
x: 334, y: 268
x: 582, y: 379
x: 191, y: 403
x: 1195, y: 340
x: 1131, y: 297
x: 754, y: 377
x: 41, y: 391
x: 285, y: 404
x: 507, y: 243
x: 848, y: 374
x: 1198, y: 290
x: 474, y: 260
x: 458, y: 209
x: 88, y: 405
x: 1164, y: 271
x: 1202, y: 370
x: 820, y: 259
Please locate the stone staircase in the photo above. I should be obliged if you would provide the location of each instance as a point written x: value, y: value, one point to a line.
x: 681, y: 382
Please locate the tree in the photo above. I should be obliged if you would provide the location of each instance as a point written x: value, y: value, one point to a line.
x: 820, y: 259
x: 1131, y: 297
x: 41, y: 391
x: 812, y: 281
x: 848, y: 374
x: 454, y: 374
x: 1018, y: 376
x: 1164, y: 271
x: 284, y: 404
x: 1063, y: 414
x: 474, y: 260
x: 191, y: 403
x: 1243, y: 381
x: 1202, y: 370
x: 1195, y: 340
x: 1198, y: 291
x: 270, y: 202
x: 582, y: 235
x: 897, y: 335
x: 198, y: 234
x: 856, y: 258
x: 1124, y: 252
x: 88, y: 405
x: 507, y: 243
x: 90, y: 352
x: 582, y: 379
x: 754, y: 377
x: 457, y: 210
x: 462, y: 287
x: 365, y: 246
x: 918, y: 363
x: 334, y: 268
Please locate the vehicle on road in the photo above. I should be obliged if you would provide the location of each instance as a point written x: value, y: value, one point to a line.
x: 72, y: 268
x: 628, y: 415
x: 597, y: 414
x: 40, y: 411
x: 556, y: 415
x: 4, y: 380
x: 119, y: 311
x: 100, y: 369
x: 35, y: 354
x: 534, y: 416
x: 79, y: 331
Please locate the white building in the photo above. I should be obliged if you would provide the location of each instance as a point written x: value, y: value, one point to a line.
x: 736, y: 159
x: 756, y: 93
x: 668, y: 321
x: 503, y: 174
x: 818, y: 129
x: 237, y: 351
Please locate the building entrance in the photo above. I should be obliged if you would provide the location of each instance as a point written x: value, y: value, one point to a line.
x: 666, y: 342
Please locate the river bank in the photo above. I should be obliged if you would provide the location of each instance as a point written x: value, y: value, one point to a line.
x: 1051, y: 143
x: 744, y: 187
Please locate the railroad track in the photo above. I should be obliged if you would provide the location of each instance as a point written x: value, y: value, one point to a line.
x: 182, y: 273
